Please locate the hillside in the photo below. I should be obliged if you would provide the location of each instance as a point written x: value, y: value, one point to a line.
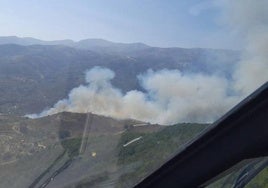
x: 57, y: 147
x: 86, y: 150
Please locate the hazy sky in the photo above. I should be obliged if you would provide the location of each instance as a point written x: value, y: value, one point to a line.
x: 183, y: 23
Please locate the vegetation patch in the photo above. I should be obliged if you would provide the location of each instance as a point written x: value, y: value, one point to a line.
x: 72, y: 146
x: 153, y: 149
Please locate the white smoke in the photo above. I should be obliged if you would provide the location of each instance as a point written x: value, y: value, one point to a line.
x: 171, y: 96
x: 249, y: 19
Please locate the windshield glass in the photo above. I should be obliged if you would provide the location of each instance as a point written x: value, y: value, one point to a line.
x: 248, y: 173
x: 102, y: 93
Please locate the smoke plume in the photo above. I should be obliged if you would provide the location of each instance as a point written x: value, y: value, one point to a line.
x: 169, y: 97
x: 249, y: 19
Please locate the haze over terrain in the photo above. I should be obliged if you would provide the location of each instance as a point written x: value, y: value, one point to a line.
x: 183, y: 23
x: 94, y: 112
x: 194, y: 93
x: 207, y: 80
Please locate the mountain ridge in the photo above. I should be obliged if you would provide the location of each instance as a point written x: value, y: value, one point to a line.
x: 86, y: 43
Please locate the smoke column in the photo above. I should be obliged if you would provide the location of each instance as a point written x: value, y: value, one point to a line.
x: 170, y: 97
x: 249, y: 19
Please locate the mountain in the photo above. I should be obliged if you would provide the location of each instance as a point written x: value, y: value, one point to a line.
x: 84, y: 150
x: 31, y: 41
x: 104, y: 46
x: 128, y: 49
x: 34, y: 77
x: 97, y: 45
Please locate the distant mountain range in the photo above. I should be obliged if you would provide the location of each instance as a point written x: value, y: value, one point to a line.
x: 34, y: 74
x: 89, y: 44
x: 105, y: 46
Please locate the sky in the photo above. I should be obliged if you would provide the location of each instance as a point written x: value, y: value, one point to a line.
x: 181, y: 23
